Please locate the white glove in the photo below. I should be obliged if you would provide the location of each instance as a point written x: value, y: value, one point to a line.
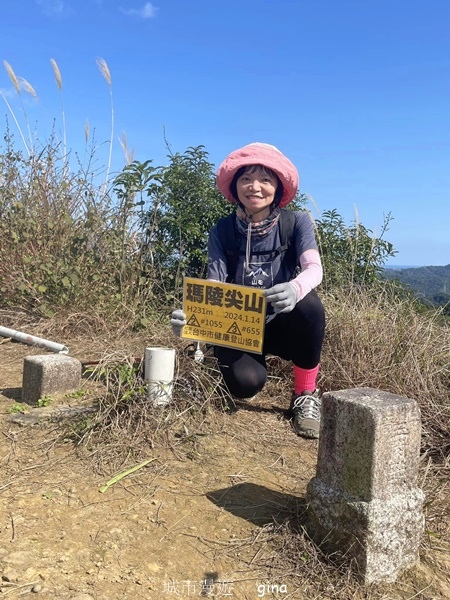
x: 178, y: 321
x: 282, y: 296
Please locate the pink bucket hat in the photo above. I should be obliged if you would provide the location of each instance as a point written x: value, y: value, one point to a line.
x: 258, y: 154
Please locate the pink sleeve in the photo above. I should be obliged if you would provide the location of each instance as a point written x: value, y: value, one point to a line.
x: 311, y: 274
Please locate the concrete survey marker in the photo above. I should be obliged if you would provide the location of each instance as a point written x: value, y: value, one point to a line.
x: 48, y: 374
x: 364, y: 501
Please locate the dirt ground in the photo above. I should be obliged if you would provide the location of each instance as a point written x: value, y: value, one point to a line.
x: 196, y: 523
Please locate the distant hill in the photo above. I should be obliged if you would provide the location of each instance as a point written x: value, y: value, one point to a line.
x: 432, y: 283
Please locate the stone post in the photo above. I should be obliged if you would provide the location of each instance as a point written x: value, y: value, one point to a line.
x: 48, y: 374
x: 364, y: 501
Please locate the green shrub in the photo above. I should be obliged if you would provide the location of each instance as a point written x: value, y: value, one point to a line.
x: 57, y: 247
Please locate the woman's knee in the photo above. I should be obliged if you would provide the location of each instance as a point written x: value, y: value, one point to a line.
x: 244, y: 376
x: 243, y: 385
x: 311, y: 308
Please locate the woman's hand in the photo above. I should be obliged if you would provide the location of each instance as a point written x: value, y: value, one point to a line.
x: 282, y: 296
x: 178, y: 321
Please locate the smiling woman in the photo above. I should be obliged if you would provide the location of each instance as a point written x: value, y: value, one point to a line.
x: 256, y: 187
x: 261, y: 245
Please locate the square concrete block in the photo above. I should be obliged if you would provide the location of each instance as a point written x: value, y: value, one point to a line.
x: 48, y: 374
x: 364, y: 501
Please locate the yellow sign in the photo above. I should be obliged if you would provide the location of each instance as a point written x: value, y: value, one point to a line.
x: 224, y: 314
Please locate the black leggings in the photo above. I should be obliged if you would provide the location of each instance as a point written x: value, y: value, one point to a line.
x: 296, y: 336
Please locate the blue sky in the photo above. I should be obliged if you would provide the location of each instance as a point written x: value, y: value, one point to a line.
x: 356, y: 93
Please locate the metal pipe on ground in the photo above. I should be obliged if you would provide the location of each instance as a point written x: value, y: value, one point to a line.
x: 32, y: 340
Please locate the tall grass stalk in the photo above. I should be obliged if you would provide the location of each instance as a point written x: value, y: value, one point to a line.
x: 15, y: 81
x: 104, y: 70
x: 58, y: 80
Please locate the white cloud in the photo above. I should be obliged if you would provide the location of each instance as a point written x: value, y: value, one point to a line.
x: 8, y: 93
x: 54, y: 8
x: 148, y: 11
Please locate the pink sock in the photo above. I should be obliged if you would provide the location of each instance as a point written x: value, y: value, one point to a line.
x: 305, y: 379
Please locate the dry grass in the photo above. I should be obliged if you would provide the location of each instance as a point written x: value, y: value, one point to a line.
x: 127, y: 425
x: 376, y: 340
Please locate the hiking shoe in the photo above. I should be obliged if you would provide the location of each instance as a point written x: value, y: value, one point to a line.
x: 305, y: 410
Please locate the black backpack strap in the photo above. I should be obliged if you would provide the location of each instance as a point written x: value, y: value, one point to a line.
x: 287, y: 248
x: 287, y: 225
x: 230, y: 241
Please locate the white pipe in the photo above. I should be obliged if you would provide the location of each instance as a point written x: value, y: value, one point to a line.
x: 159, y: 369
x: 26, y: 338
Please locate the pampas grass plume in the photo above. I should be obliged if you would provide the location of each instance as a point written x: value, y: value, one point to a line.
x: 12, y: 76
x: 128, y: 154
x: 57, y: 73
x: 104, y: 70
x: 28, y: 87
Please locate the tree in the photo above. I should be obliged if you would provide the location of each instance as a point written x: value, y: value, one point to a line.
x: 181, y: 211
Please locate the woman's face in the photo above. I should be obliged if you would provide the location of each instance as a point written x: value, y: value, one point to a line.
x: 256, y: 190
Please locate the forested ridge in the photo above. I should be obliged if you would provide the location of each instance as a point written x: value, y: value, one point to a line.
x: 431, y: 283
